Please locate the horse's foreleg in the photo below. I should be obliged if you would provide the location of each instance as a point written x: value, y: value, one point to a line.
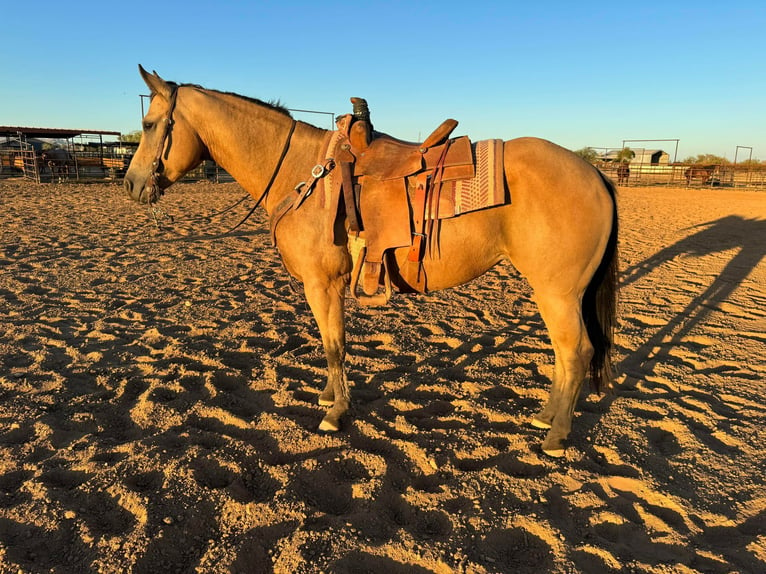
x: 326, y: 299
x: 573, y: 352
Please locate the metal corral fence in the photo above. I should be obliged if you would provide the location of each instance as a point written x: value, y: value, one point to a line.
x: 71, y: 166
x: 210, y: 171
x: 59, y: 165
x: 683, y: 175
x: 79, y: 166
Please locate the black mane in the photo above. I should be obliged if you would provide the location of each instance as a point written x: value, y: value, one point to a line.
x: 274, y: 105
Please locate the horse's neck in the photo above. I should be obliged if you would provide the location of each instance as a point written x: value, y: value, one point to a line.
x: 248, y: 139
x: 306, y: 145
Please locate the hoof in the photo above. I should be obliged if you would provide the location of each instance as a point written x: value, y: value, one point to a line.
x: 555, y: 453
x: 327, y: 426
x: 538, y: 424
x: 326, y: 402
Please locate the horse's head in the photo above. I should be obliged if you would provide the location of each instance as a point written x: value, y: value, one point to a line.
x: 169, y: 146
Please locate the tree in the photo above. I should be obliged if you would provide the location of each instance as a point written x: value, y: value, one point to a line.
x: 707, y: 159
x: 625, y: 155
x: 588, y: 154
x: 133, y: 137
x: 752, y: 164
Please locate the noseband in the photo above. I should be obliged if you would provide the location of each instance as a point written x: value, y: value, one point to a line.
x: 151, y: 184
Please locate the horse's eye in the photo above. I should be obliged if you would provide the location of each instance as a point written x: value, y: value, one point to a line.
x: 148, y: 126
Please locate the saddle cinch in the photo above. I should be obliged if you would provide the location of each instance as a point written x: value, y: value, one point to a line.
x: 394, y: 192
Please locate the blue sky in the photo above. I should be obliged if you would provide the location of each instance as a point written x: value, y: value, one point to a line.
x: 577, y: 73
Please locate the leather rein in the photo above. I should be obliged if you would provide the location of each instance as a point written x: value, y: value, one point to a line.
x: 155, y: 192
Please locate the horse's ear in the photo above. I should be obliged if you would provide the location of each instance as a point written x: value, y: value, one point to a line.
x: 156, y: 84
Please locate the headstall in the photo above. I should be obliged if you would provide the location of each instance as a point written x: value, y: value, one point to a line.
x: 153, y: 187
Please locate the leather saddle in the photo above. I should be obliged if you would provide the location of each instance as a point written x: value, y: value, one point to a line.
x: 389, y: 192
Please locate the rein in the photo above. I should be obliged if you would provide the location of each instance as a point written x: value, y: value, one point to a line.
x: 285, y: 149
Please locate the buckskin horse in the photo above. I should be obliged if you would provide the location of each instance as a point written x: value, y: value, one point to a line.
x: 559, y: 229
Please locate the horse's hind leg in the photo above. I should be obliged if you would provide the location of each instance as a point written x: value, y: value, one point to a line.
x: 326, y: 299
x: 573, y: 351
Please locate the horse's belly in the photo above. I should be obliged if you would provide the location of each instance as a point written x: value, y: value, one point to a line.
x: 466, y: 247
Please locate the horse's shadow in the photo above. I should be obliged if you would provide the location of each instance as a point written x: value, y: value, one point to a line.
x: 747, y: 236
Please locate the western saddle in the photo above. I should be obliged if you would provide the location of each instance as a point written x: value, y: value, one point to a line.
x: 389, y: 192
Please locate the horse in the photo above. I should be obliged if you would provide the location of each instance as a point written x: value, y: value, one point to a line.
x: 559, y: 230
x: 623, y: 173
x: 703, y: 173
x: 57, y: 160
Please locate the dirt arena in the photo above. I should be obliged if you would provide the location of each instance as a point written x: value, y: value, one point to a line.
x: 158, y: 403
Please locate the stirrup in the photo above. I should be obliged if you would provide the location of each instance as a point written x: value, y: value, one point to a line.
x: 357, y: 247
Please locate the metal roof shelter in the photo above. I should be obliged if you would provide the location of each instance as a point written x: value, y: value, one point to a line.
x: 14, y: 131
x: 22, y: 153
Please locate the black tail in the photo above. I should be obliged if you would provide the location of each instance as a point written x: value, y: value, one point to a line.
x: 599, y: 305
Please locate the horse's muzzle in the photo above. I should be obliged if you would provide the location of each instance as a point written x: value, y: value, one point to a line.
x: 146, y: 191
x: 131, y: 189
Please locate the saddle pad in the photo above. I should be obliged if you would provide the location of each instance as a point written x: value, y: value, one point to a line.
x: 485, y: 189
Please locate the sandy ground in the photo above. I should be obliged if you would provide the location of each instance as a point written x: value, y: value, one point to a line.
x: 158, y: 403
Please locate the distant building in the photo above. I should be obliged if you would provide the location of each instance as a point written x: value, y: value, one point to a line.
x: 643, y: 156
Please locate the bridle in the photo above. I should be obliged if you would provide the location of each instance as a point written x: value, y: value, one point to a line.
x: 151, y: 183
x: 155, y: 192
